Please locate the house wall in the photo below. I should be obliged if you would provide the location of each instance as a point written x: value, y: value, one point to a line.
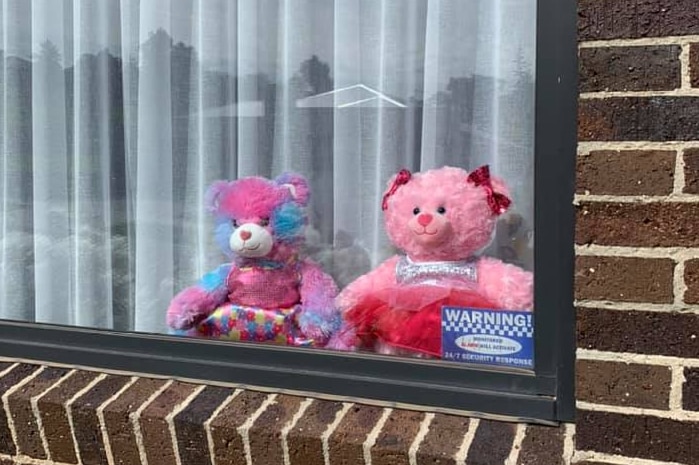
x: 637, y: 273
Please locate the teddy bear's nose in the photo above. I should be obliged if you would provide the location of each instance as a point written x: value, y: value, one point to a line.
x: 424, y: 219
x: 245, y: 235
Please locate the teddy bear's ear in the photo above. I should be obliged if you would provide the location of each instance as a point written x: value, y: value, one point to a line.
x: 213, y: 195
x: 297, y: 186
x: 497, y: 193
x: 397, y: 180
x: 500, y: 186
x: 501, y: 192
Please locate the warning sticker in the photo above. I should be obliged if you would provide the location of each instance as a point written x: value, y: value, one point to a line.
x: 490, y: 337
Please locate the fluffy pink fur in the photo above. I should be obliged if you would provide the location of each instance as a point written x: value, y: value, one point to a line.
x: 383, y: 275
x: 508, y: 285
x: 440, y: 216
x: 192, y: 305
x: 318, y: 291
x: 260, y: 197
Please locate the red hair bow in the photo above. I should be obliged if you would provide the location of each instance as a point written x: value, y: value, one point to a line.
x: 498, y: 202
x: 402, y: 177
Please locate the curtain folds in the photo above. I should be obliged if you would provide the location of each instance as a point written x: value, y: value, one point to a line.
x: 116, y: 115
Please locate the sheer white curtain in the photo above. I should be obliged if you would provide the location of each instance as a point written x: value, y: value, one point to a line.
x: 116, y: 115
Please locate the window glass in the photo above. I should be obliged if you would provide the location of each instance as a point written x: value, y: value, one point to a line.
x: 225, y: 169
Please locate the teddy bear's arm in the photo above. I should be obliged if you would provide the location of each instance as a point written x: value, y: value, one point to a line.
x: 382, y: 276
x: 195, y: 303
x: 319, y: 317
x: 508, y: 285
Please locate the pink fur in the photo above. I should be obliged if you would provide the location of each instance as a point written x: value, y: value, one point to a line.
x: 343, y: 339
x: 377, y: 278
x: 299, y: 187
x: 320, y: 318
x: 438, y: 215
x: 192, y: 305
x: 256, y: 197
x: 508, y: 285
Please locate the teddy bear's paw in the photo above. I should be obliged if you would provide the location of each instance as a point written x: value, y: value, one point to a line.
x: 344, y: 340
x: 179, y: 321
x: 182, y: 317
x: 189, y: 307
x: 317, y: 326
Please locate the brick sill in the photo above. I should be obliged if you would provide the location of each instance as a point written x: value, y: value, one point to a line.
x: 54, y: 414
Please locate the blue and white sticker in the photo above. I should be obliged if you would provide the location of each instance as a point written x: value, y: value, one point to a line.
x: 489, y: 337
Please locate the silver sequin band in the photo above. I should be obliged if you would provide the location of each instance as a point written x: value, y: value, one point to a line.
x: 409, y: 272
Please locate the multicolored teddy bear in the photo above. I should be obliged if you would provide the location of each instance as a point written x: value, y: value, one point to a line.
x: 267, y: 293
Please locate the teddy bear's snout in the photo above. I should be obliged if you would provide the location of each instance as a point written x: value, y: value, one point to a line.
x: 251, y: 240
x: 424, y: 219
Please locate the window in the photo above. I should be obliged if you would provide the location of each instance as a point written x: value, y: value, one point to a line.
x: 122, y: 119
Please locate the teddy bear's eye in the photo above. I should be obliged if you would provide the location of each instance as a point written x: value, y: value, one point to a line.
x: 264, y: 222
x: 416, y: 211
x: 441, y: 210
x: 234, y: 223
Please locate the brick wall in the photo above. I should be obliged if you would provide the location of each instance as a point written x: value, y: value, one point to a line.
x: 637, y: 239
x: 59, y: 415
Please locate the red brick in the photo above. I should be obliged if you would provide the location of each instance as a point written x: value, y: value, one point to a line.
x: 639, y: 119
x: 304, y: 440
x: 690, y: 389
x: 88, y: 432
x: 395, y: 438
x: 691, y: 171
x: 228, y: 444
x: 7, y: 382
x: 631, y: 19
x: 656, y: 333
x: 626, y: 172
x: 442, y: 442
x: 29, y: 441
x: 346, y: 442
x: 634, y: 385
x: 694, y: 64
x: 192, y: 439
x: 624, y: 279
x: 655, y: 224
x: 639, y: 436
x: 691, y: 279
x: 157, y: 440
x: 54, y: 416
x: 118, y: 421
x: 492, y: 443
x: 542, y: 445
x: 266, y: 432
x: 638, y: 68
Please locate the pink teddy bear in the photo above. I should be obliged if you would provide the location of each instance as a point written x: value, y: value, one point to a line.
x: 267, y: 293
x: 441, y: 219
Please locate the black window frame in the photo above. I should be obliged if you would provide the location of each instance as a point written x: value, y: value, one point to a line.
x: 545, y: 396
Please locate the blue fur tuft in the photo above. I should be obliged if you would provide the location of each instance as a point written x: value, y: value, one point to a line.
x: 288, y: 221
x: 222, y: 235
x: 311, y: 320
x: 215, y: 279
